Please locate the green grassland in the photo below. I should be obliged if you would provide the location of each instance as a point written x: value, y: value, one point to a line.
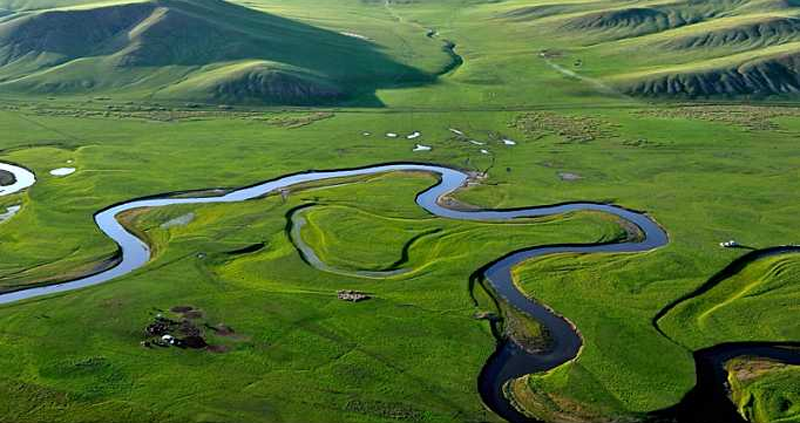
x: 762, y: 292
x: 296, y: 345
x: 116, y: 110
x: 611, y: 298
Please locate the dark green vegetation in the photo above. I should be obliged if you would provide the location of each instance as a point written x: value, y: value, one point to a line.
x: 269, y: 294
x: 116, y: 106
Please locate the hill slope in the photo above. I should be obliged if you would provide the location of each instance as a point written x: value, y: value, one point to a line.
x: 203, y: 50
x: 684, y: 48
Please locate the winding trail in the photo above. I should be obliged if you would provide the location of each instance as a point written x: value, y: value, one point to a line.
x: 509, y: 361
x: 596, y: 84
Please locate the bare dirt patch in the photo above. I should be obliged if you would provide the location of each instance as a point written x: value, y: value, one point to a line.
x: 751, y: 368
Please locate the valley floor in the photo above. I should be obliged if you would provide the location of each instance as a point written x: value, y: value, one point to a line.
x: 685, y: 111
x: 704, y: 175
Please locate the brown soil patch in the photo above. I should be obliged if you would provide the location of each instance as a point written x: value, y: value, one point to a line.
x: 751, y: 368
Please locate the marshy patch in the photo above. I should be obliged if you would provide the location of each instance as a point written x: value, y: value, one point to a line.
x: 179, y: 221
x: 750, y: 118
x: 571, y: 129
x: 297, y: 120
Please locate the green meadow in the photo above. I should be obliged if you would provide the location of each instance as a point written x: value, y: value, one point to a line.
x: 577, y: 86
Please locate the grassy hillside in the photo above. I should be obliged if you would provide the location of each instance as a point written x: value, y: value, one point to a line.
x: 763, y: 290
x: 202, y: 50
x: 672, y: 48
x: 406, y: 54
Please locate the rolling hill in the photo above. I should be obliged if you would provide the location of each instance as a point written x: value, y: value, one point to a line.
x: 668, y: 48
x: 362, y: 53
x: 198, y: 50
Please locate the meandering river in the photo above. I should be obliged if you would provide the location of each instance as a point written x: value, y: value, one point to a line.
x: 23, y: 178
x: 509, y: 361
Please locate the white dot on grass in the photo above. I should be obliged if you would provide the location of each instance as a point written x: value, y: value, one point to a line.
x: 62, y: 171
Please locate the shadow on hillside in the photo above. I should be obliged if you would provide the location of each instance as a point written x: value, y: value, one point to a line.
x: 205, y: 32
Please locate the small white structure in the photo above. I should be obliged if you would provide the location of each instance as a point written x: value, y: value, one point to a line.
x: 413, y: 135
x: 391, y: 135
x: 168, y: 339
x: 484, y: 151
x: 421, y: 147
x: 366, y: 134
x: 456, y: 131
x: 507, y: 141
x: 62, y: 171
x: 355, y: 35
x: 476, y: 142
x: 729, y: 244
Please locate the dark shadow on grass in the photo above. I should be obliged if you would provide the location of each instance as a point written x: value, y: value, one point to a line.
x: 708, y: 400
x: 205, y: 32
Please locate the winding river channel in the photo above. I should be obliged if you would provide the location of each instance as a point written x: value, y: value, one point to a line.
x: 23, y: 178
x: 509, y: 361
